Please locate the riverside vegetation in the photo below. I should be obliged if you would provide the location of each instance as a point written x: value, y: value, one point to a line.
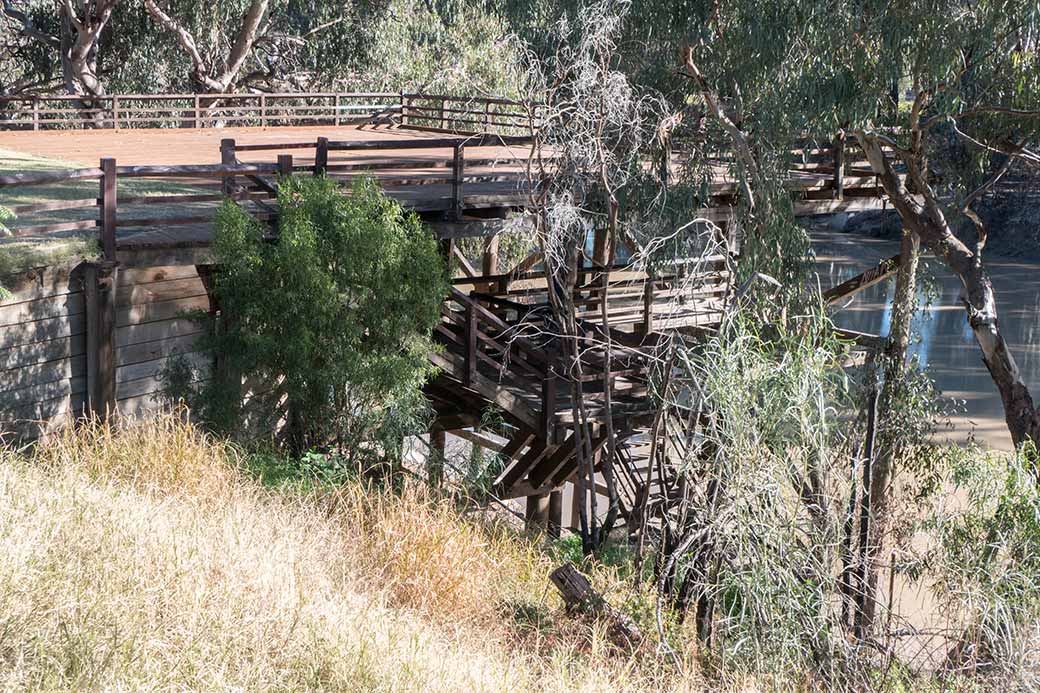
x: 230, y: 552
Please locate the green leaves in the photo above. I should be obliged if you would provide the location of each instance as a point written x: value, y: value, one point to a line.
x: 330, y: 322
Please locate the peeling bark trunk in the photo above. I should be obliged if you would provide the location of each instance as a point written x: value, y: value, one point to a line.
x: 78, y: 48
x: 211, y: 77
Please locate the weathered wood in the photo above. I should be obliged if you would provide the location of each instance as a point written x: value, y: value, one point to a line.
x: 435, y: 463
x: 285, y: 164
x: 838, y: 192
x: 99, y: 289
x: 863, y: 280
x: 555, y: 520
x: 536, y: 515
x: 457, y: 172
x: 480, y: 439
x: 579, y: 597
x: 509, y: 479
x: 321, y: 156
x: 228, y: 158
x: 470, y: 367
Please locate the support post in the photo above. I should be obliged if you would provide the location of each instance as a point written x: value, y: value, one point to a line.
x: 457, y: 170
x: 108, y: 209
x: 447, y: 249
x: 536, y: 515
x: 555, y: 524
x: 405, y: 102
x: 263, y: 110
x: 285, y: 164
x: 321, y: 156
x: 99, y: 288
x: 444, y: 121
x: 435, y: 463
x: 228, y: 158
x: 36, y: 112
x: 489, y: 261
x: 838, y: 192
x: 115, y: 112
x: 648, y: 305
x: 335, y: 115
x: 198, y: 112
x: 471, y: 346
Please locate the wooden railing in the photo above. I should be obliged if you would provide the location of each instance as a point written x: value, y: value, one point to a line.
x: 128, y: 111
x: 635, y: 299
x: 409, y: 163
x: 124, y: 197
x: 113, y: 198
x: 473, y: 115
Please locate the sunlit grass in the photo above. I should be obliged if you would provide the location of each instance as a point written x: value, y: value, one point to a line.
x: 150, y: 559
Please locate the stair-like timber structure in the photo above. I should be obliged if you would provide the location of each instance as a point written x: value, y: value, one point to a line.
x: 502, y: 351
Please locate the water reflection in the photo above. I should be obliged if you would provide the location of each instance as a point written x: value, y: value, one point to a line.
x: 944, y: 344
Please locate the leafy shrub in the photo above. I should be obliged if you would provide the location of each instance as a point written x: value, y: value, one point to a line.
x: 328, y: 327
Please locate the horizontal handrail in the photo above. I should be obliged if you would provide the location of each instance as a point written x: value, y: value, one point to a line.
x: 197, y: 110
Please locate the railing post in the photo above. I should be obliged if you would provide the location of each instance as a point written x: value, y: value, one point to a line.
x: 228, y: 158
x: 444, y: 122
x: 263, y: 110
x: 549, y: 398
x: 285, y: 164
x: 99, y: 288
x: 487, y: 116
x: 458, y: 166
x: 198, y: 112
x: 648, y: 304
x: 471, y: 346
x: 36, y: 112
x: 839, y: 167
x: 321, y: 156
x: 115, y: 112
x: 108, y: 208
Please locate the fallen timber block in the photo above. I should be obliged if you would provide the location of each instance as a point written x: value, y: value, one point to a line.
x: 580, y: 598
x: 863, y: 280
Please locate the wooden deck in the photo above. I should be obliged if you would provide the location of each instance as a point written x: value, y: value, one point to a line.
x: 185, y: 147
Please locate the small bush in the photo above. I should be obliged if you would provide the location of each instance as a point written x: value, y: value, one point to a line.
x: 329, y: 325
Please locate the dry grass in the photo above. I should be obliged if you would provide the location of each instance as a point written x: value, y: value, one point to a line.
x: 146, y: 559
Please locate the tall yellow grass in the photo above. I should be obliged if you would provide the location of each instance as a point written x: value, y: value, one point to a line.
x: 145, y: 559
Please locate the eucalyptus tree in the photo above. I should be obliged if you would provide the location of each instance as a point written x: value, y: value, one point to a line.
x: 263, y: 44
x: 66, y: 34
x: 970, y: 70
x: 972, y: 74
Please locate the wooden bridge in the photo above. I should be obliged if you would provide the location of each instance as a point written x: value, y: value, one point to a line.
x: 93, y: 336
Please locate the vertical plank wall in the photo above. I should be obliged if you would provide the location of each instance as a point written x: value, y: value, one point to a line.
x: 43, y: 335
x: 42, y: 351
x: 151, y: 329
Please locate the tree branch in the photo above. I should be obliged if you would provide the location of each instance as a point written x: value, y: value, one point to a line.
x: 29, y: 27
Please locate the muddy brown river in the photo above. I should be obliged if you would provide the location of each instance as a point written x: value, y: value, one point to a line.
x: 943, y: 342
